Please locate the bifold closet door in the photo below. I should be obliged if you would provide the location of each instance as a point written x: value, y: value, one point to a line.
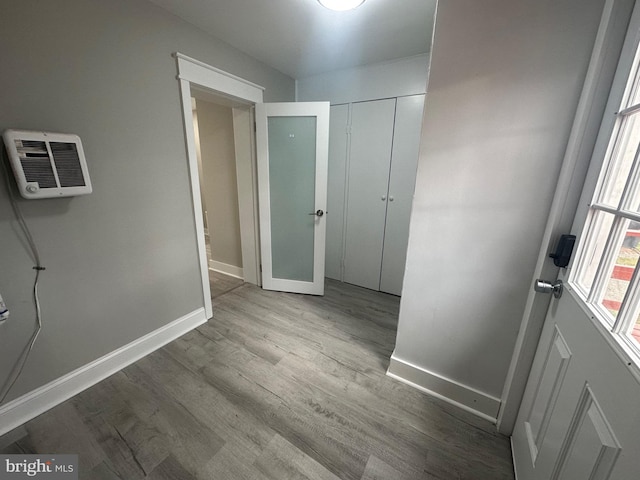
x: 368, y: 182
x: 402, y: 180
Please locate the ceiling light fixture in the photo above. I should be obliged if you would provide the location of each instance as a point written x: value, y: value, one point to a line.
x: 341, y: 5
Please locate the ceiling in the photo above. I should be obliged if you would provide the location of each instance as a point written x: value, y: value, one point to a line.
x: 301, y: 38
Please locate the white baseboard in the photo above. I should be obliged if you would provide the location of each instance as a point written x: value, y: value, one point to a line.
x: 513, y: 459
x: 227, y: 269
x: 32, y: 404
x: 450, y: 391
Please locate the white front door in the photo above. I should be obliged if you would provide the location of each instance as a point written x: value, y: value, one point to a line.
x: 580, y: 415
x: 292, y: 141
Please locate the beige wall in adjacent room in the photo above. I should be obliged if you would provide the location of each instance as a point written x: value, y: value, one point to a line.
x: 219, y: 182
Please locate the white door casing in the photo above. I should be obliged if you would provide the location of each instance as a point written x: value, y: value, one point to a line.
x: 192, y: 72
x: 579, y: 418
x: 301, y: 216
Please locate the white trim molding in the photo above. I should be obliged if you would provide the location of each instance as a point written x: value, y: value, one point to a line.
x: 227, y: 269
x: 455, y: 393
x: 38, y: 401
x: 198, y: 217
x: 199, y: 74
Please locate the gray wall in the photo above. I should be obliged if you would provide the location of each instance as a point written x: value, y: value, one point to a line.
x: 404, y: 76
x: 121, y: 262
x: 504, y: 84
x: 219, y: 182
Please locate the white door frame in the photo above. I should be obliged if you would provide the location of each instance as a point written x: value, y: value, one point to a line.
x: 595, y: 92
x: 319, y: 110
x: 191, y: 71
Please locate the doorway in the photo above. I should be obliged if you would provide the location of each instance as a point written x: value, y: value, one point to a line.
x: 199, y: 79
x: 216, y: 134
x: 242, y: 96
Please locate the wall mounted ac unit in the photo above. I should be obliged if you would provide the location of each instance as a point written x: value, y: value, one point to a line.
x: 47, y: 164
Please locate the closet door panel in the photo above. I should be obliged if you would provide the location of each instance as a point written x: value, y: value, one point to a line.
x: 336, y: 185
x: 402, y: 180
x: 368, y: 177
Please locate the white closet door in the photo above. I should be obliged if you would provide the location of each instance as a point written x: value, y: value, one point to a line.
x: 404, y: 163
x: 338, y: 147
x: 369, y: 162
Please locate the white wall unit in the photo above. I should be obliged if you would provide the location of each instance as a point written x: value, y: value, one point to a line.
x: 372, y: 166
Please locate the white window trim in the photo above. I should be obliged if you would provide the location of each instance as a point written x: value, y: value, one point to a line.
x: 614, y: 332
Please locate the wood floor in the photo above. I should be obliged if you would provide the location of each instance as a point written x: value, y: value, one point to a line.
x: 221, y: 283
x: 276, y: 386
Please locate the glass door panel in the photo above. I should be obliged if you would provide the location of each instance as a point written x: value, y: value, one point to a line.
x: 292, y: 144
x: 292, y: 165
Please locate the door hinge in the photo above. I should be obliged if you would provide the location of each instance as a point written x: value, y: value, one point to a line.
x: 255, y: 127
x: 260, y: 268
x: 348, y: 129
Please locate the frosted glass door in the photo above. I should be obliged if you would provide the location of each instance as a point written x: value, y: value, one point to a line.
x: 292, y: 165
x: 292, y: 146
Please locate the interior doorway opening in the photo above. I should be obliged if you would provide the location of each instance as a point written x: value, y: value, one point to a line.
x: 198, y: 79
x: 220, y: 129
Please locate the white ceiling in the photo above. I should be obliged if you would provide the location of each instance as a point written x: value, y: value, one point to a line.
x: 301, y: 38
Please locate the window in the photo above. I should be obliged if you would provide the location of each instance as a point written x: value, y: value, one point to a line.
x: 607, y: 272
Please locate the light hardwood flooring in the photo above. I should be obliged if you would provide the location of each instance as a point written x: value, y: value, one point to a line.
x: 221, y: 283
x: 276, y: 386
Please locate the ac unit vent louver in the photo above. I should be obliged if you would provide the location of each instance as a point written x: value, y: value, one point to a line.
x: 47, y: 164
x: 65, y: 156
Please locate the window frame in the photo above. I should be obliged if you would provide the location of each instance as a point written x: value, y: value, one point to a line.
x: 625, y: 88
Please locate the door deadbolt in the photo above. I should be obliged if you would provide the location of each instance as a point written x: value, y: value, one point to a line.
x: 542, y: 286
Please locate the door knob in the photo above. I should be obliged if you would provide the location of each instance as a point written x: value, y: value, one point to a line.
x: 317, y: 213
x: 542, y: 286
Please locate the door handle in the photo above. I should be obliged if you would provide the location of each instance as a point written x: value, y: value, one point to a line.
x: 542, y: 286
x: 317, y: 213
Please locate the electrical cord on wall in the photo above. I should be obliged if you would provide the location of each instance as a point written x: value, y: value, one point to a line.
x: 24, y: 356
